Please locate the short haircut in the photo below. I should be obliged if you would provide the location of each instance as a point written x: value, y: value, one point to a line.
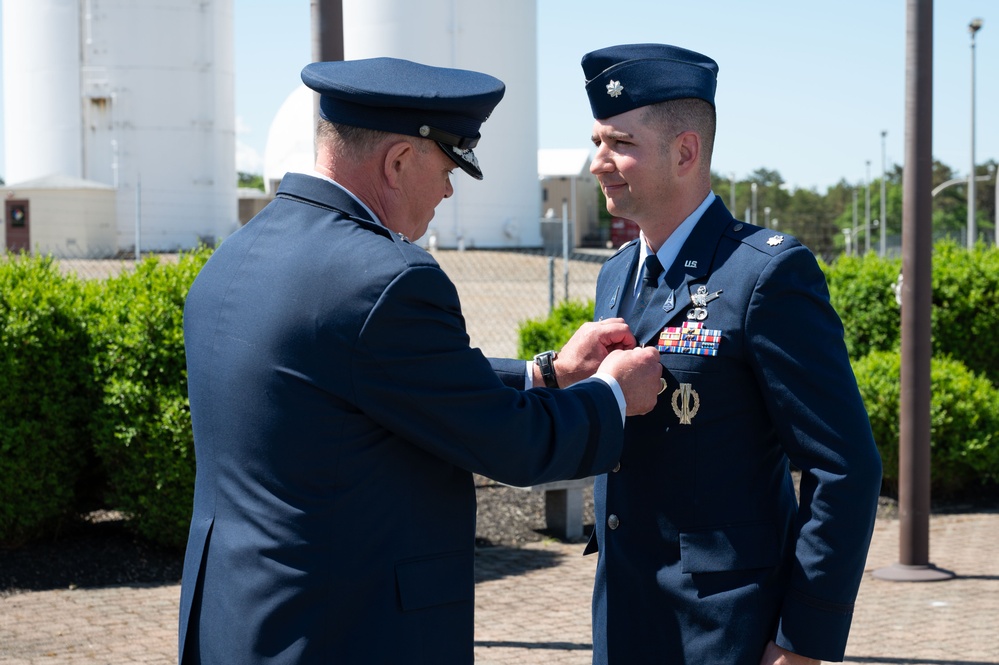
x: 685, y: 115
x: 357, y: 143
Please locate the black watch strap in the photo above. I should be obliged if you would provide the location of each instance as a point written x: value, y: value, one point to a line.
x: 546, y: 363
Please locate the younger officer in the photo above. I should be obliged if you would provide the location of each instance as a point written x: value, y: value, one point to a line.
x: 705, y: 556
x: 338, y: 410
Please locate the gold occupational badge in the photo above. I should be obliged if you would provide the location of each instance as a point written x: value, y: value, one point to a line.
x: 686, y: 402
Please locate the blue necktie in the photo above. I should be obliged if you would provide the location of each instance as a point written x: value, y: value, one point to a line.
x: 653, y: 268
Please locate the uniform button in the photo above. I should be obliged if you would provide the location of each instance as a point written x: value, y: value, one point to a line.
x: 613, y: 522
x: 616, y: 468
x: 737, y: 227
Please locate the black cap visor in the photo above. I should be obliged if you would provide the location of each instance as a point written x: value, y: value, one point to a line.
x: 464, y: 158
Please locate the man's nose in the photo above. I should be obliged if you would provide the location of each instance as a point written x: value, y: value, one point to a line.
x: 600, y: 162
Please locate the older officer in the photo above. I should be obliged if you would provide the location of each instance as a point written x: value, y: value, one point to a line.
x: 339, y: 411
x: 705, y: 555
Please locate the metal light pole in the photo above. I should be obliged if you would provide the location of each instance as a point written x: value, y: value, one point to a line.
x: 867, y: 210
x: 755, y: 219
x: 327, y: 38
x: 916, y: 299
x: 884, y: 176
x: 973, y: 27
x: 766, y: 216
x: 856, y: 231
x: 731, y: 190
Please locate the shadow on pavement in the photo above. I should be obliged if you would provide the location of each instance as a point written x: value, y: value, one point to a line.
x: 96, y: 551
x: 494, y: 563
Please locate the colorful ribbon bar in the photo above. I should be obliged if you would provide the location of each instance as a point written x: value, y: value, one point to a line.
x: 691, y: 338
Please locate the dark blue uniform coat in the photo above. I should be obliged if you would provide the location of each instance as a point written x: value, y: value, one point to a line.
x: 338, y: 415
x: 704, y: 553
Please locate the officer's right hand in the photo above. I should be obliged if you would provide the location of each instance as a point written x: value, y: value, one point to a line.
x: 639, y: 374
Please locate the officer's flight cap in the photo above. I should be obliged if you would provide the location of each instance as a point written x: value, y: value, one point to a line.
x: 403, y: 97
x: 622, y: 78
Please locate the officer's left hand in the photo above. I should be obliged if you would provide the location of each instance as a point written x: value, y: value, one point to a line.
x: 775, y: 655
x: 587, y: 348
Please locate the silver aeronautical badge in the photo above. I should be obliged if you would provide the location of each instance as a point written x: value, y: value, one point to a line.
x: 775, y: 240
x: 614, y: 88
x: 701, y: 298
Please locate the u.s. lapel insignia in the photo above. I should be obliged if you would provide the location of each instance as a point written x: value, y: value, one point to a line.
x: 775, y: 240
x: 670, y: 302
x: 686, y: 403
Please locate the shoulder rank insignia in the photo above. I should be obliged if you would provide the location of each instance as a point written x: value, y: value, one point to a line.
x: 775, y: 240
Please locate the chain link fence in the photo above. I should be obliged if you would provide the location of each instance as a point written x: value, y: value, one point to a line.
x: 499, y: 290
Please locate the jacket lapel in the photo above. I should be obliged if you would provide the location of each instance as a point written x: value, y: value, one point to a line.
x: 615, y: 279
x: 691, y: 264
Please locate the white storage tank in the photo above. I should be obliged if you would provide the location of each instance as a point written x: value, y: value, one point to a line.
x: 141, y: 98
x: 498, y: 38
x: 41, y: 78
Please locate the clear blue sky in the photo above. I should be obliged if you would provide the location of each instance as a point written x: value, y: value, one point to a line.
x: 804, y: 88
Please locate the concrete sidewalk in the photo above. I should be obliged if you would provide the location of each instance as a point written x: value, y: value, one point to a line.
x: 532, y: 607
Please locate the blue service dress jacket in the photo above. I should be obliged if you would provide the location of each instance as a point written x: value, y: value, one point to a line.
x: 704, y: 553
x: 338, y: 416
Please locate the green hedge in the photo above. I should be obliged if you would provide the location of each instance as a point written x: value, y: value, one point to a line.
x: 552, y: 332
x: 966, y: 306
x: 142, y: 426
x: 46, y: 396
x: 965, y: 309
x: 964, y: 421
x: 93, y: 374
x: 860, y: 288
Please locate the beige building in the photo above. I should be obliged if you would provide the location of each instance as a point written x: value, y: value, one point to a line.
x: 566, y: 179
x: 60, y: 215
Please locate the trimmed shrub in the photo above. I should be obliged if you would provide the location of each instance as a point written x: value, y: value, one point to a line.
x: 46, y: 396
x: 965, y: 306
x: 964, y: 421
x: 860, y: 288
x: 552, y: 332
x: 142, y: 426
x: 965, y: 310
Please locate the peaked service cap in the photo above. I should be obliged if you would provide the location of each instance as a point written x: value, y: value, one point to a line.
x: 403, y: 97
x: 626, y: 77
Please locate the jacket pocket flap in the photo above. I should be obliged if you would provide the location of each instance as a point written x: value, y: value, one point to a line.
x: 741, y: 547
x: 437, y: 581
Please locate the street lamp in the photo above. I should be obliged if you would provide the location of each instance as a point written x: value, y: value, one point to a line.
x: 973, y: 27
x: 856, y: 233
x: 884, y: 175
x: 867, y: 210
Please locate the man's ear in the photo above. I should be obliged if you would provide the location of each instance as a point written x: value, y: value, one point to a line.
x: 689, y: 152
x: 398, y: 158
